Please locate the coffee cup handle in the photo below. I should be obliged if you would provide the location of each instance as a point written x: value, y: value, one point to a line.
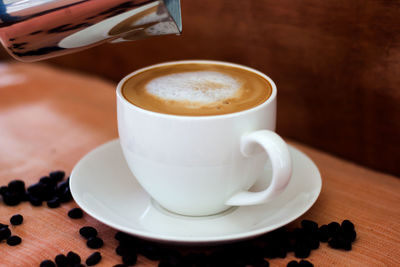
x: 279, y: 156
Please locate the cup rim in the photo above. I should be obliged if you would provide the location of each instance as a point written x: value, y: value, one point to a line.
x: 122, y: 99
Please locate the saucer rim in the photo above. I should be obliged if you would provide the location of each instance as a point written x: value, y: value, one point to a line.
x: 163, y: 238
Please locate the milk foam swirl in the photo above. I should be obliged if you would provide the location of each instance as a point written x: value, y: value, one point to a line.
x: 203, y: 87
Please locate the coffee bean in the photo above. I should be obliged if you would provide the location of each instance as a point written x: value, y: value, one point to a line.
x: 88, y: 231
x: 93, y: 259
x: 57, y: 175
x: 94, y: 242
x: 61, y: 260
x: 129, y: 259
x: 324, y: 233
x: 14, y: 240
x: 347, y: 225
x: 302, y: 251
x: 75, y: 213
x: 334, y: 228
x: 16, y: 219
x: 11, y: 199
x: 53, y: 203
x: 47, y: 263
x: 65, y: 196
x: 309, y: 226
x: 73, y: 258
x: 292, y: 264
x: 335, y: 242
x: 4, y: 232
x: 34, y: 201
x: 150, y: 251
x: 16, y: 186
x: 47, y: 180
x: 261, y: 263
x: 3, y: 190
x: 305, y: 263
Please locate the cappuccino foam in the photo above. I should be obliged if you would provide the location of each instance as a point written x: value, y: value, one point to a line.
x: 196, y: 89
x: 200, y: 88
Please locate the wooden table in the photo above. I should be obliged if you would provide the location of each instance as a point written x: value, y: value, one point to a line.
x: 50, y: 118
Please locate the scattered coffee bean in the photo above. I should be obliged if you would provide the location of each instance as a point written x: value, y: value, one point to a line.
x: 261, y: 263
x: 79, y: 265
x: 11, y: 199
x: 47, y: 180
x: 94, y: 242
x: 309, y: 226
x: 34, y: 201
x: 14, y: 240
x: 73, y: 258
x: 129, y: 259
x: 16, y: 219
x: 302, y: 251
x: 305, y: 263
x: 47, y: 263
x: 324, y: 233
x: 3, y: 190
x: 93, y: 259
x: 88, y: 231
x: 16, y: 186
x: 61, y: 260
x: 75, y: 213
x: 347, y: 225
x: 4, y: 232
x: 150, y: 251
x: 292, y: 264
x: 57, y: 175
x: 53, y: 203
x: 334, y: 228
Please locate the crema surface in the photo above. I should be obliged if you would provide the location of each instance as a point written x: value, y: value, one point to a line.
x: 196, y: 89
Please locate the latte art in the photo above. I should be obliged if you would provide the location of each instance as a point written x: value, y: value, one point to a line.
x: 198, y: 88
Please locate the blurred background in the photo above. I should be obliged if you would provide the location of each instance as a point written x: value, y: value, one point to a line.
x: 336, y: 65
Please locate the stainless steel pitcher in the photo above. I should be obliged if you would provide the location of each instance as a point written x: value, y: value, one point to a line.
x: 33, y: 30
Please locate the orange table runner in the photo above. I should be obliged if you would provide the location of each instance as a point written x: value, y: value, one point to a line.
x: 50, y: 118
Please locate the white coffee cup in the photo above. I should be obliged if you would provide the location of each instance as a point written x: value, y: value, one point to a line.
x: 202, y: 165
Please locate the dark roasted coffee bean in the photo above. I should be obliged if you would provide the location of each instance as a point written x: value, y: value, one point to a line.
x: 73, y: 258
x: 66, y: 195
x: 347, y: 225
x: 88, y: 231
x: 323, y: 233
x: 3, y: 190
x: 122, y: 250
x: 34, y: 201
x: 36, y: 189
x: 302, y: 251
x: 309, y: 226
x: 129, y: 259
x: 57, y: 175
x: 79, y: 265
x: 11, y: 199
x: 47, y: 180
x: 150, y: 251
x: 61, y: 260
x: 53, y: 203
x: 346, y: 245
x: 305, y: 263
x: 334, y: 228
x: 14, y: 240
x: 348, y: 234
x: 93, y: 259
x: 16, y: 186
x: 47, y: 263
x: 292, y: 264
x: 61, y: 187
x: 335, y: 242
x: 94, y: 242
x: 261, y: 263
x: 16, y: 219
x: 75, y: 213
x: 4, y: 232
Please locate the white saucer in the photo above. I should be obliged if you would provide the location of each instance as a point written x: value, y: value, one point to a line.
x: 103, y: 186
